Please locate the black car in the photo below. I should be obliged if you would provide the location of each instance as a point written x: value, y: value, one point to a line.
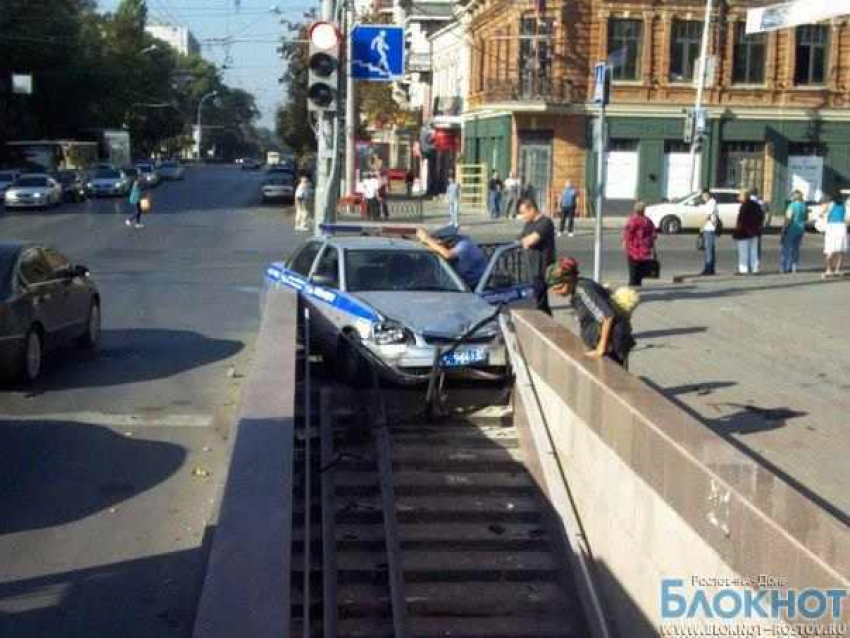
x: 73, y: 186
x: 44, y: 303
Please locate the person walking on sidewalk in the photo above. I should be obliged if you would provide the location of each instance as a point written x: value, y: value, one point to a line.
x: 512, y: 196
x: 747, y: 231
x: 453, y: 193
x: 137, y: 193
x: 538, y: 239
x: 710, y: 229
x: 371, y: 193
x: 835, y: 236
x: 568, y: 208
x: 494, y: 192
x: 639, y: 243
x: 792, y: 233
x: 303, y: 203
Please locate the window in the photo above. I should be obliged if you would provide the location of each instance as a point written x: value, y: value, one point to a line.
x: 725, y: 198
x: 34, y: 270
x: 57, y: 262
x: 511, y: 269
x: 684, y: 50
x: 748, y: 66
x: 743, y: 164
x: 328, y: 266
x: 624, y: 48
x: 810, y: 65
x: 535, y: 56
x: 303, y: 261
x: 408, y: 270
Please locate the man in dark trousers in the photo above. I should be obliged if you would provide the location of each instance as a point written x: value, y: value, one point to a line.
x: 605, y: 325
x: 538, y: 238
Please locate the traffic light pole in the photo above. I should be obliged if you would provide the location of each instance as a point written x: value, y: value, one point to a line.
x: 327, y: 136
x: 350, y: 105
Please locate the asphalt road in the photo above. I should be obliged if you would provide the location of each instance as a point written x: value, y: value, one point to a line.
x: 111, y: 465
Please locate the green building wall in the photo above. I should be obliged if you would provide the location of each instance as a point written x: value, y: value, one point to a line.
x: 484, y: 136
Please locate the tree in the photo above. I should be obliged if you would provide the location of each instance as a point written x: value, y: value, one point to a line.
x: 293, y: 118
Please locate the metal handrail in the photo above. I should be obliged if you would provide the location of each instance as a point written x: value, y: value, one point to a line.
x: 307, y: 480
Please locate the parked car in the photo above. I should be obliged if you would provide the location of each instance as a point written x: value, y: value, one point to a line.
x: 34, y: 191
x: 250, y: 165
x: 279, y: 187
x: 402, y: 302
x: 148, y: 174
x: 73, y: 186
x: 108, y: 182
x: 44, y: 303
x: 170, y: 171
x: 7, y: 178
x: 688, y: 212
x: 279, y: 169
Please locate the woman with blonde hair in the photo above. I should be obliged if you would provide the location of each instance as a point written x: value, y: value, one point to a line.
x: 835, y: 236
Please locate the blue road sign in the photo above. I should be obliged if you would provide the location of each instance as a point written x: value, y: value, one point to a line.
x: 377, y: 52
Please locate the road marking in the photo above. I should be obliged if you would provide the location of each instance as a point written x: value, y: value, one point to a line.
x: 121, y: 420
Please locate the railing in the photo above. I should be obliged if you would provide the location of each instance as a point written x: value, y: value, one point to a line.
x: 528, y: 88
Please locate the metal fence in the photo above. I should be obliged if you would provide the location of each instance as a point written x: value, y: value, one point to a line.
x: 411, y: 210
x: 473, y: 187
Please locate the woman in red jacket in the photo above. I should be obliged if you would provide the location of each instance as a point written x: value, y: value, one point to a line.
x: 639, y: 243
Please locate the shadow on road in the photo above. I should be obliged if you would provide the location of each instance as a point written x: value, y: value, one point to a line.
x: 130, y: 356
x: 54, y: 472
x: 152, y: 596
x: 669, y: 332
x: 651, y: 296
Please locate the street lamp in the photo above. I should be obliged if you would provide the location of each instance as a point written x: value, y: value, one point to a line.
x: 200, y: 130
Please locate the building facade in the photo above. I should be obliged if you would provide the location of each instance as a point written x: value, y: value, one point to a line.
x: 180, y: 38
x: 776, y: 103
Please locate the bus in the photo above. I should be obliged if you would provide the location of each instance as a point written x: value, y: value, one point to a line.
x: 113, y: 145
x: 50, y: 156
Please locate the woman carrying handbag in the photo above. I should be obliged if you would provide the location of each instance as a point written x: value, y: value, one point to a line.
x: 140, y: 200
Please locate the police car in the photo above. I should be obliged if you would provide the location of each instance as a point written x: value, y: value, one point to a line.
x: 401, y: 301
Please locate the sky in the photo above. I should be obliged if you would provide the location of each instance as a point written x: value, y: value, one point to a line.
x: 252, y: 61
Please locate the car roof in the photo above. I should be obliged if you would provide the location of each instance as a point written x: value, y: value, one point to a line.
x: 369, y: 242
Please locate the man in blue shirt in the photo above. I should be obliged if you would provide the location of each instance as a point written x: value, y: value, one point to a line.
x: 465, y: 256
x: 568, y: 207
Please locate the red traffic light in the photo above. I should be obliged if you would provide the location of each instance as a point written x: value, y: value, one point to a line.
x: 324, y: 35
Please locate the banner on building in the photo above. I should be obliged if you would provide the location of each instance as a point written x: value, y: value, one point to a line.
x: 805, y: 174
x: 791, y: 14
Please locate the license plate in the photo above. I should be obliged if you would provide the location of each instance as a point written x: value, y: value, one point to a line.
x: 465, y: 357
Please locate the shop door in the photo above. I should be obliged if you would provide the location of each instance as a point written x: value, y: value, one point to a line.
x: 535, y: 171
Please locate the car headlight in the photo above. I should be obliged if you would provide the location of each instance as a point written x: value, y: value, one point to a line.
x: 37, y: 195
x: 118, y: 184
x: 89, y: 185
x: 389, y: 332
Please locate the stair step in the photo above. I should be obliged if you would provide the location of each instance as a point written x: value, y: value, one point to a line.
x: 462, y: 627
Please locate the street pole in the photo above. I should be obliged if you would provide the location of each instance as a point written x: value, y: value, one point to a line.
x: 703, y: 60
x: 200, y: 130
x: 350, y: 107
x: 600, y: 193
x: 325, y: 202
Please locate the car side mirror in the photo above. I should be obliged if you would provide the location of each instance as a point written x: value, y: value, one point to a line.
x: 80, y: 271
x: 323, y: 280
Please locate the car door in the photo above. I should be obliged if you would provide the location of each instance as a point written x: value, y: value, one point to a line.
x: 322, y: 292
x: 507, y: 278
x: 40, y: 291
x: 72, y: 292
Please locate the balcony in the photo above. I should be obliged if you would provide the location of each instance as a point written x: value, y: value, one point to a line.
x: 535, y: 92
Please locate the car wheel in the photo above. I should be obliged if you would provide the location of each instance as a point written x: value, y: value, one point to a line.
x: 91, y: 336
x: 671, y: 225
x: 29, y: 368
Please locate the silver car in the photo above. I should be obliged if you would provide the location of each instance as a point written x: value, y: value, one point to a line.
x: 402, y: 302
x: 34, y: 191
x: 108, y: 182
x: 170, y: 171
x: 280, y: 186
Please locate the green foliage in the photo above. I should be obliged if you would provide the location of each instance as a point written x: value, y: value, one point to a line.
x: 104, y: 71
x: 293, y: 119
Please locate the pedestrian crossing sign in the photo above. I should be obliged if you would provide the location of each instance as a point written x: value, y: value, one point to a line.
x: 377, y: 52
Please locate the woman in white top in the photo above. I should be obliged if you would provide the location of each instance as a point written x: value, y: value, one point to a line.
x: 303, y: 195
x: 709, y: 231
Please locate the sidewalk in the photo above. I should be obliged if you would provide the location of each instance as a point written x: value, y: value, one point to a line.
x: 762, y: 361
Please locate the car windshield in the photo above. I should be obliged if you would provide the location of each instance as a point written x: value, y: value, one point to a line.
x: 31, y: 182
x: 106, y: 174
x: 7, y: 177
x: 280, y: 181
x: 168, y: 165
x: 130, y: 172
x: 66, y: 177
x: 145, y: 168
x: 408, y: 270
x: 686, y: 199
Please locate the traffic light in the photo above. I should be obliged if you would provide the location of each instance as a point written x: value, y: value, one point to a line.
x: 324, y: 65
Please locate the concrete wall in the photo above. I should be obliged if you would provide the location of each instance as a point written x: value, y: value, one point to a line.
x: 659, y: 495
x: 246, y: 588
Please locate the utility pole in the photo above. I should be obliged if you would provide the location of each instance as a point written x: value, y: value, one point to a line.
x: 327, y: 139
x: 703, y: 60
x: 350, y: 106
x: 600, y: 97
x: 200, y: 129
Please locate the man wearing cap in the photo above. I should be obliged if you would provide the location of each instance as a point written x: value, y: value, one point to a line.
x: 538, y: 239
x: 603, y: 323
x: 468, y: 260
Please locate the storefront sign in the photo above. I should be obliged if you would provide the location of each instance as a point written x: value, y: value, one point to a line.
x: 805, y: 174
